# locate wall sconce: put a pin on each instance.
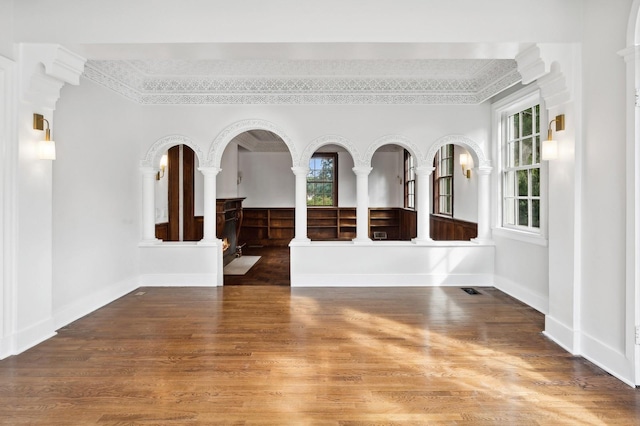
(550, 146)
(47, 147)
(163, 165)
(465, 164)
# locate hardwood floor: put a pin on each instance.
(271, 269)
(334, 356)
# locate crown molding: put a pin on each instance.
(289, 82)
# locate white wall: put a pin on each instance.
(465, 191)
(96, 199)
(227, 179)
(6, 28)
(386, 180)
(267, 179)
(603, 212)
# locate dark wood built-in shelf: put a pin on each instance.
(276, 226)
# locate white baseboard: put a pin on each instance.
(391, 280)
(34, 335)
(609, 359)
(560, 334)
(538, 302)
(178, 280)
(84, 306)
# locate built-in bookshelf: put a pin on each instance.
(276, 226)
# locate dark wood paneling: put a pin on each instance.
(444, 228)
(408, 224)
(162, 231)
(173, 168)
(188, 160)
(198, 230)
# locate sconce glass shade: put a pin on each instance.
(549, 150)
(47, 150)
(463, 159)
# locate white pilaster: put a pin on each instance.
(210, 174)
(362, 204)
(423, 204)
(484, 208)
(148, 205)
(301, 173)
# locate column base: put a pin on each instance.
(300, 242)
(421, 241)
(205, 243)
(362, 241)
(483, 241)
(150, 242)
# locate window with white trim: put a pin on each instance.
(443, 181)
(521, 195)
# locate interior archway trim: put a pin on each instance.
(152, 159)
(219, 144)
(479, 158)
(400, 140)
(329, 140)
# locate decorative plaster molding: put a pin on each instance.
(152, 158)
(330, 140)
(214, 157)
(392, 140)
(476, 151)
(306, 82)
(45, 69)
(553, 89)
(530, 64)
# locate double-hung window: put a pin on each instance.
(409, 181)
(443, 181)
(521, 174)
(322, 180)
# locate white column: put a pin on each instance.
(148, 205)
(362, 204)
(301, 173)
(484, 209)
(423, 204)
(209, 231)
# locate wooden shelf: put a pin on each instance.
(276, 226)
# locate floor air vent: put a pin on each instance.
(470, 290)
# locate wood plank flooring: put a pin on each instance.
(277, 355)
(271, 269)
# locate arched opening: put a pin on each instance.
(454, 189)
(256, 168)
(331, 194)
(460, 171)
(179, 203)
(392, 193)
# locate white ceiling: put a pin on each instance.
(303, 73)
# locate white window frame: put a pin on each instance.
(501, 110)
